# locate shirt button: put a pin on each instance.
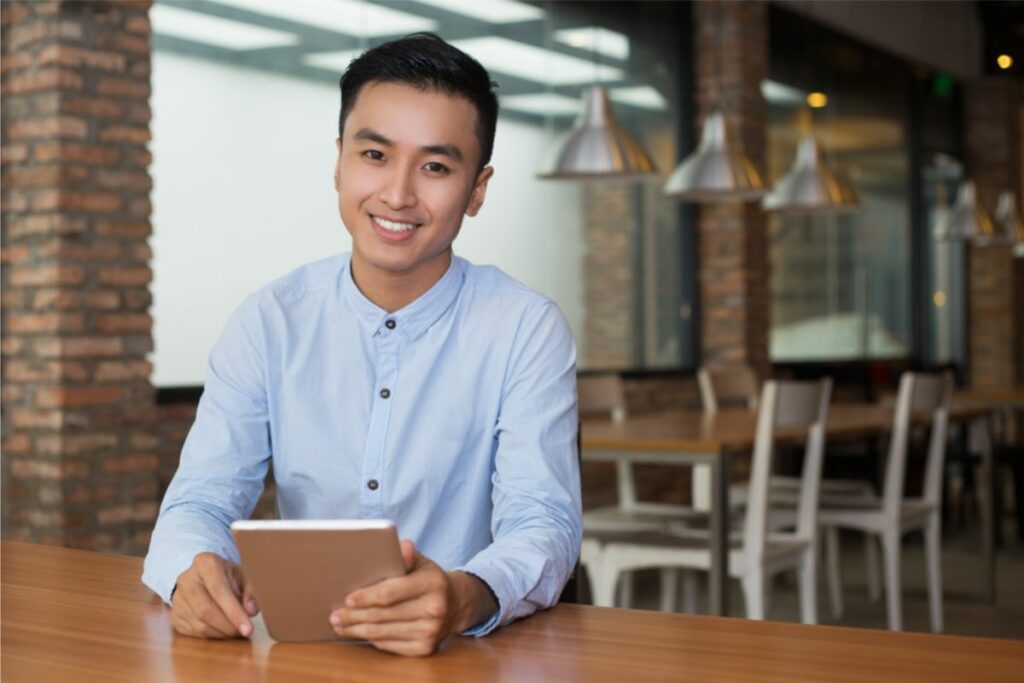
(372, 485)
(385, 393)
(390, 324)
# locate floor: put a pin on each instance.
(964, 611)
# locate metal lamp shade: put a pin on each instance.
(1009, 226)
(967, 220)
(810, 186)
(597, 147)
(715, 171)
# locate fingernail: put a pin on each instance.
(336, 620)
(251, 606)
(245, 630)
(350, 602)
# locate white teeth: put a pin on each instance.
(393, 226)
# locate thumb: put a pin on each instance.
(248, 601)
(408, 554)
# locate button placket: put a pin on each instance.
(375, 453)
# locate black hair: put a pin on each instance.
(427, 62)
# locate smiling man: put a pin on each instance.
(397, 382)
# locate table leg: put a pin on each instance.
(719, 576)
(981, 440)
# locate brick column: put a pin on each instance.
(732, 53)
(993, 151)
(79, 451)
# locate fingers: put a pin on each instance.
(220, 584)
(409, 553)
(426, 631)
(202, 616)
(427, 606)
(248, 599)
(391, 592)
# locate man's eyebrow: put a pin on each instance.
(373, 136)
(448, 150)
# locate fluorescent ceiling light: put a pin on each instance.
(535, 63)
(780, 93)
(350, 17)
(643, 96)
(542, 104)
(597, 40)
(203, 28)
(332, 61)
(491, 11)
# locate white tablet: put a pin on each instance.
(302, 570)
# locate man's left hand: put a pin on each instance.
(413, 614)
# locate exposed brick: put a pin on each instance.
(141, 252)
(13, 154)
(87, 105)
(77, 57)
(129, 180)
(139, 462)
(125, 277)
(79, 347)
(113, 323)
(16, 443)
(137, 299)
(44, 371)
(26, 418)
(135, 512)
(34, 323)
(78, 251)
(60, 224)
(13, 253)
(75, 444)
(137, 24)
(48, 128)
(130, 229)
(123, 87)
(50, 397)
(22, 276)
(41, 79)
(13, 299)
(30, 469)
(92, 202)
(77, 152)
(12, 346)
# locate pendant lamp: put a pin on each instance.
(810, 186)
(967, 220)
(716, 171)
(1009, 224)
(597, 147)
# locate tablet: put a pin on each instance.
(302, 570)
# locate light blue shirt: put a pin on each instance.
(457, 421)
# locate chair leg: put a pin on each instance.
(689, 591)
(669, 589)
(933, 551)
(893, 587)
(603, 577)
(754, 594)
(626, 586)
(808, 578)
(835, 579)
(871, 567)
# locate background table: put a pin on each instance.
(75, 616)
(690, 437)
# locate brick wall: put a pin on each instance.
(79, 452)
(731, 60)
(993, 150)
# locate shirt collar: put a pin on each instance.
(416, 317)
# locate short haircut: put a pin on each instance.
(425, 61)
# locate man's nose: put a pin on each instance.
(399, 190)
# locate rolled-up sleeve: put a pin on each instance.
(536, 521)
(224, 460)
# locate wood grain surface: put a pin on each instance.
(73, 616)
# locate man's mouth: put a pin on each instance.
(393, 226)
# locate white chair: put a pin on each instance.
(757, 553)
(889, 517)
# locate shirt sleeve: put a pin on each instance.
(224, 460)
(536, 521)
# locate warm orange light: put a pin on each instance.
(817, 100)
(939, 299)
(1004, 61)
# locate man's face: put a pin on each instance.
(406, 174)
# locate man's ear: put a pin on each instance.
(337, 167)
(476, 199)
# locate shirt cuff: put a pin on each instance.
(485, 627)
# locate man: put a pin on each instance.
(399, 382)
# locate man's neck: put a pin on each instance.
(394, 291)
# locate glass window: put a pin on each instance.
(245, 105)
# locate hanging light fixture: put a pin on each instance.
(597, 146)
(1009, 226)
(810, 186)
(967, 220)
(717, 171)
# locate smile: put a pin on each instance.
(393, 226)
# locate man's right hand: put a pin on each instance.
(213, 600)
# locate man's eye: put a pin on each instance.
(374, 154)
(436, 167)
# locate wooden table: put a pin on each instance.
(689, 438)
(81, 617)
